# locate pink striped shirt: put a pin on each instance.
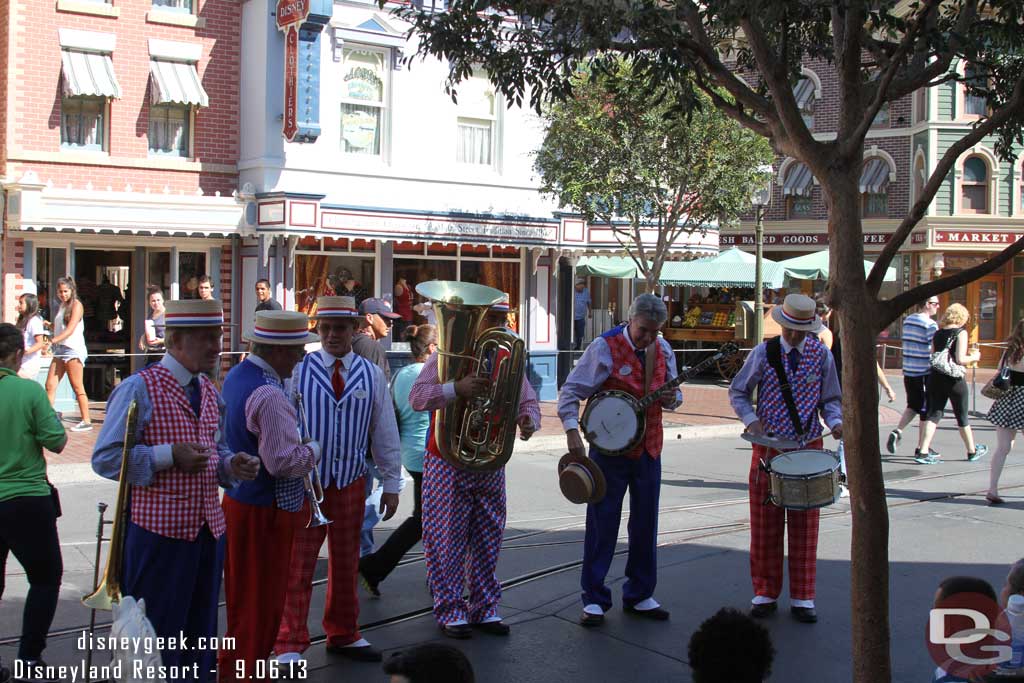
(272, 417)
(428, 393)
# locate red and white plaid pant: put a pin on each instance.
(345, 509)
(768, 524)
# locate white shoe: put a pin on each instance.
(844, 492)
(82, 427)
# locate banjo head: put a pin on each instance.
(612, 422)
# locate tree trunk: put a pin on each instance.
(869, 552)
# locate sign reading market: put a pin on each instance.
(975, 237)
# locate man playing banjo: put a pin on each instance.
(632, 359)
(789, 400)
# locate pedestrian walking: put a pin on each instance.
(581, 311)
(918, 331)
(69, 350)
(28, 509)
(944, 387)
(413, 426)
(36, 341)
(1007, 413)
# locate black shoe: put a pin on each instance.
(656, 614)
(366, 653)
(763, 609)
(495, 628)
(805, 615)
(894, 439)
(591, 620)
(369, 584)
(457, 631)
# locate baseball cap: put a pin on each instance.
(378, 306)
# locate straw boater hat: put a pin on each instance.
(797, 312)
(336, 307)
(502, 305)
(193, 313)
(281, 328)
(580, 479)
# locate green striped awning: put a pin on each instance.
(732, 268)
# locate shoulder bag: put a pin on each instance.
(997, 386)
(942, 361)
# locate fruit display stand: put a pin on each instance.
(715, 324)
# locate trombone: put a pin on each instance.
(311, 482)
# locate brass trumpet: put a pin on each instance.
(109, 589)
(312, 484)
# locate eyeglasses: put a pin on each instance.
(933, 303)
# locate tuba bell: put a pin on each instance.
(475, 434)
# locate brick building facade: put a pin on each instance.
(118, 155)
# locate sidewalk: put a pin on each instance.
(705, 413)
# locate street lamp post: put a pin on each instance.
(762, 197)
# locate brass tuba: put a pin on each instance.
(109, 590)
(475, 434)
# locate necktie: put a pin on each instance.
(641, 355)
(337, 381)
(793, 358)
(195, 395)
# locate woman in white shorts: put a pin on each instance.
(69, 351)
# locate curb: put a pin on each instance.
(679, 432)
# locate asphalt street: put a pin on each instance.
(940, 526)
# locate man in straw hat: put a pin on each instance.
(463, 510)
(174, 543)
(622, 359)
(345, 398)
(262, 515)
(811, 374)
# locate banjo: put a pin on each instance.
(614, 421)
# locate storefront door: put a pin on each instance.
(984, 300)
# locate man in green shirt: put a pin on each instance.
(28, 516)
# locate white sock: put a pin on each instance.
(762, 600)
(801, 603)
(593, 609)
(490, 619)
(362, 642)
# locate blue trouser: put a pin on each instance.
(643, 479)
(180, 582)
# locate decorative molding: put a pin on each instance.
(174, 50)
(94, 8)
(88, 41)
(157, 15)
(104, 159)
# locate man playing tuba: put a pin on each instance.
(464, 510)
(262, 515)
(174, 543)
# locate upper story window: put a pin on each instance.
(881, 119)
(974, 105)
(477, 122)
(921, 104)
(796, 188)
(174, 5)
(874, 188)
(920, 177)
(87, 83)
(175, 92)
(364, 106)
(803, 93)
(169, 129)
(974, 186)
(83, 123)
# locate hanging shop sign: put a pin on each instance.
(302, 22)
(793, 239)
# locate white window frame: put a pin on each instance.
(476, 118)
(992, 196)
(384, 105)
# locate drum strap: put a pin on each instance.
(773, 351)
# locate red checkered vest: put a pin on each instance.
(806, 386)
(624, 355)
(176, 504)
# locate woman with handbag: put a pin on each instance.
(946, 384)
(1007, 413)
(28, 505)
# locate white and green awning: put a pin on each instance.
(88, 74)
(608, 266)
(815, 267)
(732, 268)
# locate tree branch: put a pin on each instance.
(894, 307)
(942, 168)
(731, 110)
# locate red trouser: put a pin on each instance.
(259, 544)
(768, 523)
(345, 508)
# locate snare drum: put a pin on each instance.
(804, 480)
